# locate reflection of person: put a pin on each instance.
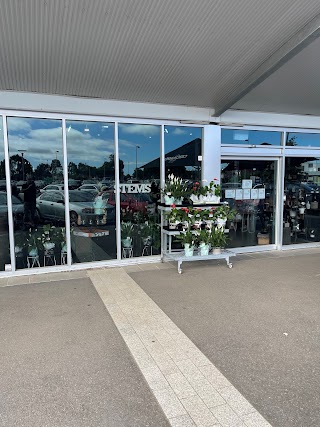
(155, 191)
(15, 191)
(30, 192)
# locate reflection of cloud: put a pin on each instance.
(18, 124)
(180, 131)
(41, 145)
(145, 130)
(126, 143)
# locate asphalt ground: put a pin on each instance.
(64, 364)
(258, 323)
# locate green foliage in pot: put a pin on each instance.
(218, 238)
(175, 187)
(212, 188)
(224, 212)
(186, 237)
(203, 236)
(126, 230)
(178, 215)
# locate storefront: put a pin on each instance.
(83, 189)
(270, 177)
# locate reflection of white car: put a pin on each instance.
(51, 206)
(89, 187)
(52, 187)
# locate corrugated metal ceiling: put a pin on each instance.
(170, 51)
(293, 89)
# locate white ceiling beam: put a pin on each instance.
(288, 50)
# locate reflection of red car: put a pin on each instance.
(136, 202)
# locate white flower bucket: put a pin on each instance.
(168, 200)
(216, 251)
(48, 246)
(147, 241)
(204, 249)
(173, 225)
(179, 201)
(33, 252)
(197, 200)
(127, 242)
(211, 199)
(188, 250)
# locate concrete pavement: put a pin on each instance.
(210, 347)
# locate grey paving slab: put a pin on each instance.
(258, 323)
(64, 364)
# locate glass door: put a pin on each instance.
(250, 188)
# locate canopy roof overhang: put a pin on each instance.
(211, 54)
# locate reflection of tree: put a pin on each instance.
(55, 164)
(42, 171)
(84, 171)
(291, 142)
(16, 167)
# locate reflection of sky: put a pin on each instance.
(92, 143)
(39, 138)
(305, 139)
(147, 137)
(238, 136)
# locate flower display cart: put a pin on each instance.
(179, 257)
(167, 234)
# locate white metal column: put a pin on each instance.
(211, 153)
(66, 191)
(117, 190)
(8, 186)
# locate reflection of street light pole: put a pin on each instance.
(57, 155)
(22, 153)
(137, 146)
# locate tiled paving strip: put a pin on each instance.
(189, 388)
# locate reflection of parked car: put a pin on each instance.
(135, 202)
(3, 185)
(52, 187)
(51, 206)
(73, 184)
(17, 211)
(89, 187)
(19, 184)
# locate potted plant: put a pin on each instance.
(218, 239)
(187, 238)
(174, 190)
(209, 194)
(212, 192)
(19, 242)
(222, 214)
(197, 193)
(203, 237)
(33, 242)
(146, 233)
(47, 237)
(177, 216)
(126, 234)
